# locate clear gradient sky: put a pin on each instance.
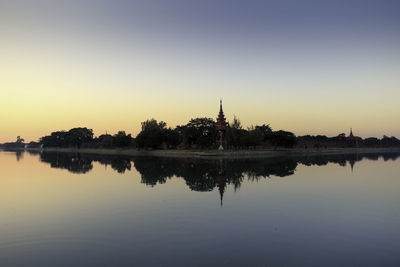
(311, 67)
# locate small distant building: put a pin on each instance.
(105, 140)
(351, 140)
(221, 126)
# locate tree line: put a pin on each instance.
(341, 140)
(199, 133)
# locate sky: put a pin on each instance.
(310, 67)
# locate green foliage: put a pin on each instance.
(200, 132)
(254, 136)
(151, 135)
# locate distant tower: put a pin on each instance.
(352, 140)
(351, 133)
(221, 126)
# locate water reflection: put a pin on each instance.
(205, 175)
(19, 155)
(202, 174)
(320, 216)
(75, 163)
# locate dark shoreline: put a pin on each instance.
(235, 154)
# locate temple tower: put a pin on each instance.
(352, 140)
(221, 126)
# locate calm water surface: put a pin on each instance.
(77, 210)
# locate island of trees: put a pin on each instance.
(200, 133)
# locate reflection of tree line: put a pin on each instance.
(198, 173)
(75, 163)
(342, 160)
(82, 163)
(201, 174)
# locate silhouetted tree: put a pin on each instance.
(151, 135)
(78, 136)
(235, 134)
(73, 138)
(171, 137)
(390, 141)
(104, 140)
(371, 142)
(264, 131)
(55, 139)
(121, 139)
(282, 138)
(252, 137)
(340, 138)
(200, 132)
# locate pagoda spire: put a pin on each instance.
(352, 140)
(221, 125)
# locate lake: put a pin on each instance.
(60, 209)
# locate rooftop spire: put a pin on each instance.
(221, 125)
(351, 132)
(221, 122)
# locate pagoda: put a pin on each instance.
(351, 133)
(352, 140)
(221, 126)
